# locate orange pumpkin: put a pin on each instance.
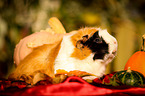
(137, 61)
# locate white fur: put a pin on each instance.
(109, 40)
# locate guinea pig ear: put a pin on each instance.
(85, 38)
(79, 44)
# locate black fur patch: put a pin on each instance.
(97, 45)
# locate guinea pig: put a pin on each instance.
(88, 49)
(47, 53)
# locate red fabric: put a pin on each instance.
(75, 86)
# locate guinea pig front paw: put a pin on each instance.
(89, 77)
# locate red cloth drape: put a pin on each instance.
(76, 86)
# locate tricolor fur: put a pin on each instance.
(77, 51)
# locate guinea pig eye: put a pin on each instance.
(98, 40)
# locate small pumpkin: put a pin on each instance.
(129, 77)
(137, 61)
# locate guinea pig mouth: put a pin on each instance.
(96, 44)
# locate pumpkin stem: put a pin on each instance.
(128, 70)
(143, 43)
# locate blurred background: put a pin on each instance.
(124, 19)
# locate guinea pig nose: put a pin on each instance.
(114, 52)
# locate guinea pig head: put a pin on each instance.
(99, 42)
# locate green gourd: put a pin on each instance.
(129, 77)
